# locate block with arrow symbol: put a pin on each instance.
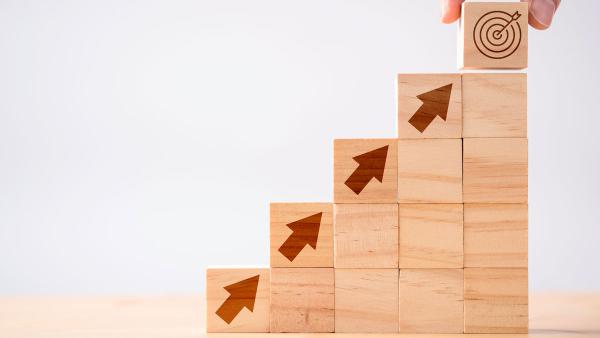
(301, 234)
(365, 171)
(237, 299)
(429, 106)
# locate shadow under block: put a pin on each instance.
(496, 300)
(366, 300)
(430, 171)
(301, 234)
(429, 106)
(494, 105)
(495, 235)
(495, 170)
(237, 300)
(431, 236)
(366, 235)
(493, 35)
(365, 171)
(302, 300)
(431, 301)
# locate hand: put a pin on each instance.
(541, 12)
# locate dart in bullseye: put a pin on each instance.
(514, 18)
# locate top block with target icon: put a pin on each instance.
(493, 35)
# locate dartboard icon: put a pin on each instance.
(497, 34)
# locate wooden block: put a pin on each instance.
(495, 170)
(495, 235)
(302, 300)
(493, 35)
(430, 171)
(429, 106)
(431, 300)
(431, 235)
(496, 300)
(494, 105)
(365, 235)
(301, 234)
(237, 300)
(366, 300)
(365, 171)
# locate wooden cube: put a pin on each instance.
(431, 235)
(496, 300)
(430, 171)
(366, 300)
(429, 106)
(366, 235)
(495, 170)
(301, 234)
(302, 300)
(365, 171)
(237, 300)
(493, 35)
(494, 105)
(495, 235)
(431, 300)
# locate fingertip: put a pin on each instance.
(450, 10)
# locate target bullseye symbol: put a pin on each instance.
(497, 34)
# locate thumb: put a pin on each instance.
(541, 12)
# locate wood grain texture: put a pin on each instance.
(282, 214)
(496, 300)
(345, 165)
(430, 171)
(366, 300)
(366, 235)
(302, 300)
(556, 315)
(431, 235)
(494, 105)
(255, 320)
(412, 85)
(495, 170)
(471, 57)
(495, 235)
(431, 300)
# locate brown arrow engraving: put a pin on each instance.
(370, 165)
(241, 295)
(304, 232)
(435, 103)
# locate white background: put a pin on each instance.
(141, 140)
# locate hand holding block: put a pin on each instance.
(430, 171)
(365, 171)
(366, 235)
(302, 300)
(429, 106)
(496, 235)
(431, 235)
(493, 35)
(431, 300)
(494, 105)
(237, 300)
(495, 170)
(301, 234)
(366, 300)
(496, 300)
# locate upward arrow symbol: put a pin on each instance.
(241, 295)
(370, 165)
(435, 103)
(304, 232)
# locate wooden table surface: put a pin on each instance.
(551, 315)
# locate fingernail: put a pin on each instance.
(543, 11)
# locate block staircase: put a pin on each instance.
(427, 232)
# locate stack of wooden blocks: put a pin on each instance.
(427, 232)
